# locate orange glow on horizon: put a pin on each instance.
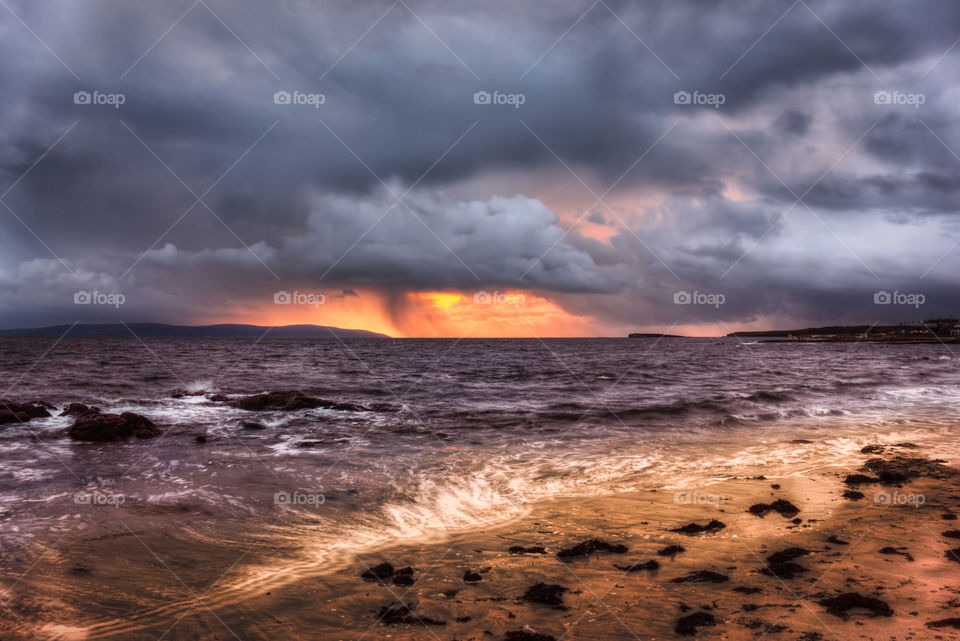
(440, 314)
(455, 314)
(490, 314)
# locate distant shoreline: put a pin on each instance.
(654, 335)
(163, 330)
(945, 330)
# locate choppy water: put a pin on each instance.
(458, 434)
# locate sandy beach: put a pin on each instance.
(838, 567)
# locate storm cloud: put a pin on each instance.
(795, 157)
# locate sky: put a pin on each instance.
(428, 168)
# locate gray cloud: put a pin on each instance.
(301, 186)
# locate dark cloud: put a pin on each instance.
(793, 122)
(705, 197)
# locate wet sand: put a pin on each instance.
(892, 554)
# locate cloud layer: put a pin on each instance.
(795, 157)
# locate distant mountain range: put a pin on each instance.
(161, 330)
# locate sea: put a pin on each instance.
(453, 435)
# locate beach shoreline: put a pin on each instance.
(473, 587)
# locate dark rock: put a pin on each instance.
(22, 412)
(252, 425)
(872, 449)
(200, 438)
(781, 506)
(853, 495)
(547, 594)
(471, 577)
(403, 576)
(289, 401)
(775, 486)
(533, 549)
(399, 613)
(382, 571)
(899, 469)
(859, 479)
(948, 516)
(746, 590)
(951, 534)
(687, 626)
(702, 576)
(953, 555)
(789, 554)
(693, 528)
(909, 446)
(786, 570)
(898, 551)
(592, 546)
(637, 567)
(839, 605)
(523, 635)
(463, 619)
(76, 409)
(218, 398)
(952, 622)
(801, 441)
(671, 550)
(833, 539)
(104, 428)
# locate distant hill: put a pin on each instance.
(161, 330)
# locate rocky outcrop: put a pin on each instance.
(592, 546)
(95, 426)
(696, 528)
(21, 412)
(780, 506)
(840, 605)
(900, 469)
(76, 409)
(288, 401)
